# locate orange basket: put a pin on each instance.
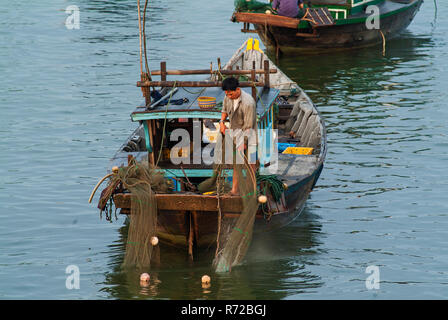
(207, 102)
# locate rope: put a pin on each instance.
(98, 184)
(384, 42)
(258, 94)
(275, 185)
(218, 194)
(144, 40)
(140, 36)
(435, 16)
(164, 123)
(199, 92)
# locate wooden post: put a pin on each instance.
(163, 71)
(219, 70)
(190, 237)
(254, 88)
(195, 226)
(267, 82)
(146, 91)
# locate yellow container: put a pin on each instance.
(297, 150)
(207, 102)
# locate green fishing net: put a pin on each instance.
(142, 181)
(235, 234)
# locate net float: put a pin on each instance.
(154, 241)
(262, 199)
(205, 279)
(144, 277)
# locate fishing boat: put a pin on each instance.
(292, 126)
(329, 24)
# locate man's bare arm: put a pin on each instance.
(222, 126)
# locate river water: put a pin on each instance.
(65, 99)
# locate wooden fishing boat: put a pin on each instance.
(187, 218)
(331, 24)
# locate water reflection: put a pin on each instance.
(355, 73)
(276, 260)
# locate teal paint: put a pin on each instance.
(147, 139)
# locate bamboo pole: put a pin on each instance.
(209, 71)
(140, 36)
(194, 84)
(144, 40)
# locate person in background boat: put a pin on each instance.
(240, 108)
(302, 10)
(289, 8)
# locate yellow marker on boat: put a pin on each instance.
(257, 45)
(249, 44)
(297, 150)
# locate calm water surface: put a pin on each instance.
(65, 99)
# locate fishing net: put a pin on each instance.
(142, 182)
(234, 240)
(251, 5)
(270, 184)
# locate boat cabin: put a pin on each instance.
(180, 132)
(342, 9)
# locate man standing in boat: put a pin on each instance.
(240, 108)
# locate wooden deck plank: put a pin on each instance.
(189, 202)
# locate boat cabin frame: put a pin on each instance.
(155, 115)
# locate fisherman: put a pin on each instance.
(289, 8)
(240, 108)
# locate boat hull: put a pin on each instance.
(200, 216)
(344, 36)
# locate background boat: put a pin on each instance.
(331, 24)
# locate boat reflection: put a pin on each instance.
(364, 68)
(276, 260)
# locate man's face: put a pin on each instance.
(233, 94)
